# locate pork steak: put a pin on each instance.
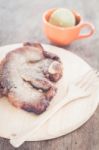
(28, 75)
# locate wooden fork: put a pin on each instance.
(83, 87)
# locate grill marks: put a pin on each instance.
(39, 84)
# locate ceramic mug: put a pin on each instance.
(62, 35)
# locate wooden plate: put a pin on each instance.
(70, 117)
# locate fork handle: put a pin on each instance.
(20, 139)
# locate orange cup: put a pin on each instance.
(64, 36)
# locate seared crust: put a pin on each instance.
(25, 77)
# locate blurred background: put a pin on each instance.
(21, 20)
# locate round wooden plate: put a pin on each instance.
(14, 121)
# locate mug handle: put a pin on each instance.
(88, 25)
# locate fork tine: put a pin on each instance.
(84, 78)
(88, 79)
(93, 80)
(90, 85)
(91, 89)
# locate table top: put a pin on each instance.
(21, 20)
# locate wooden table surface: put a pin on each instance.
(21, 20)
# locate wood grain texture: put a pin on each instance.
(21, 20)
